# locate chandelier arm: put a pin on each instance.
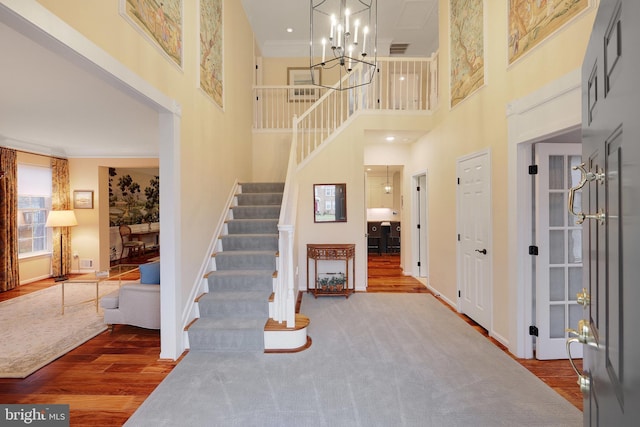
(352, 39)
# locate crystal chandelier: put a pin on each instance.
(343, 35)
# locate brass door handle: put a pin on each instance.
(583, 380)
(585, 176)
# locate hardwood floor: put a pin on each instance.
(385, 275)
(106, 379)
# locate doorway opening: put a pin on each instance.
(383, 188)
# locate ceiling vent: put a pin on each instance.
(398, 48)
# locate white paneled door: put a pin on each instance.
(558, 272)
(474, 231)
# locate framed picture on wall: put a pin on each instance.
(160, 22)
(83, 199)
(302, 77)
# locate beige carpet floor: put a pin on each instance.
(35, 332)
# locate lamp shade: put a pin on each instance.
(61, 219)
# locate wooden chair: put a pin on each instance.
(374, 237)
(132, 246)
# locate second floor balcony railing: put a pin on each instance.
(401, 84)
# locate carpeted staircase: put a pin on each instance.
(234, 312)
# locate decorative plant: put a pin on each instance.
(323, 282)
(337, 279)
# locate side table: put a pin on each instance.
(95, 282)
(340, 283)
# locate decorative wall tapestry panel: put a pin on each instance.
(211, 60)
(158, 20)
(134, 196)
(532, 21)
(466, 22)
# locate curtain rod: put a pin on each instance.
(38, 154)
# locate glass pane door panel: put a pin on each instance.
(557, 208)
(556, 172)
(575, 314)
(556, 284)
(575, 282)
(556, 247)
(575, 246)
(557, 321)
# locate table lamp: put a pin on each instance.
(61, 219)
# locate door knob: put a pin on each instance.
(583, 334)
(583, 298)
(583, 380)
(483, 251)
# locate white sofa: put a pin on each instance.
(135, 303)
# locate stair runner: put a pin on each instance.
(234, 312)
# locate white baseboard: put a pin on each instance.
(34, 279)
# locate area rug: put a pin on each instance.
(377, 360)
(34, 331)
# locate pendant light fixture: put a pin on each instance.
(343, 35)
(387, 187)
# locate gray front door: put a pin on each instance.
(611, 208)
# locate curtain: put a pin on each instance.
(60, 200)
(9, 278)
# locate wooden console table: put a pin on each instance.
(331, 283)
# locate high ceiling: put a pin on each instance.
(55, 102)
(52, 104)
(414, 22)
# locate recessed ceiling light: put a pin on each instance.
(390, 138)
(401, 78)
(289, 30)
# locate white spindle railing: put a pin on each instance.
(400, 84)
(409, 84)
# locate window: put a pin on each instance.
(34, 203)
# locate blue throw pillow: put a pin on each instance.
(150, 273)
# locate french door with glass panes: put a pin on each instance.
(558, 272)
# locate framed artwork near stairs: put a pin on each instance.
(302, 77)
(329, 202)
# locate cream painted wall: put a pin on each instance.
(342, 161)
(339, 162)
(271, 155)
